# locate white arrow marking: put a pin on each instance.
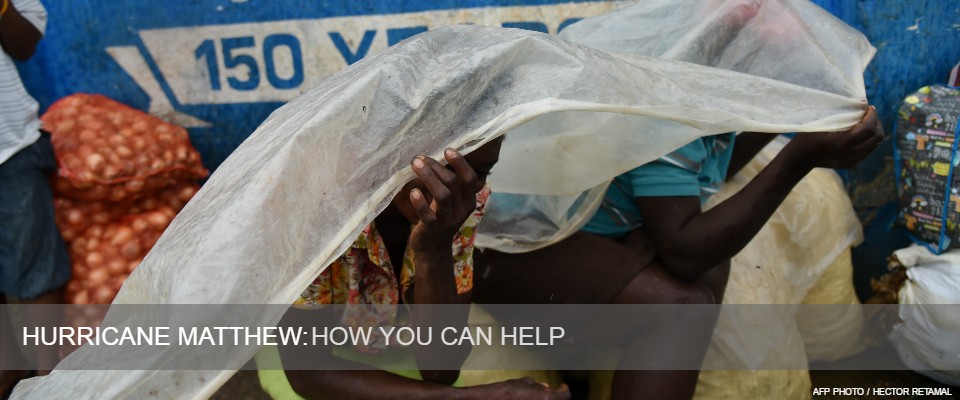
(130, 59)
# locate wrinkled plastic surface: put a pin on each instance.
(789, 41)
(929, 337)
(293, 196)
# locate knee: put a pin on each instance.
(665, 289)
(689, 293)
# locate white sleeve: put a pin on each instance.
(33, 11)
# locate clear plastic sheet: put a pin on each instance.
(790, 41)
(293, 196)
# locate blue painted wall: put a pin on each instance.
(73, 58)
(917, 42)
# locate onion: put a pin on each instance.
(139, 224)
(121, 236)
(96, 192)
(97, 277)
(158, 219)
(72, 162)
(149, 204)
(87, 136)
(169, 213)
(100, 218)
(116, 267)
(103, 294)
(94, 161)
(140, 125)
(68, 234)
(80, 298)
(65, 125)
(68, 111)
(117, 194)
(78, 244)
(181, 152)
(80, 272)
(94, 259)
(139, 143)
(134, 185)
(74, 286)
(123, 151)
(131, 250)
(74, 216)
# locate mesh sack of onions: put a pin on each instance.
(75, 216)
(105, 254)
(109, 151)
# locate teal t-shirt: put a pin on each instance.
(696, 169)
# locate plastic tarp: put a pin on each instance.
(929, 336)
(790, 41)
(293, 196)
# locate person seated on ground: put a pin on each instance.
(443, 206)
(651, 243)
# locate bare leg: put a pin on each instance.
(47, 356)
(588, 269)
(9, 374)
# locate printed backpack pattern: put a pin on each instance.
(925, 153)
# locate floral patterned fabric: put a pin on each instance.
(364, 275)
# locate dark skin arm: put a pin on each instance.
(18, 37)
(746, 147)
(452, 199)
(690, 242)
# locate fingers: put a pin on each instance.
(464, 172)
(431, 173)
(865, 135)
(868, 134)
(422, 207)
(452, 192)
(868, 145)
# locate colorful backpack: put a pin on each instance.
(925, 154)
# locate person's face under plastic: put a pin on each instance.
(482, 160)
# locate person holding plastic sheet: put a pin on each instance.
(389, 258)
(651, 243)
(34, 264)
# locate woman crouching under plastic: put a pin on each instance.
(422, 240)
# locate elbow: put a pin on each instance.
(24, 56)
(21, 53)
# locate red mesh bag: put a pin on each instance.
(105, 254)
(109, 151)
(74, 216)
